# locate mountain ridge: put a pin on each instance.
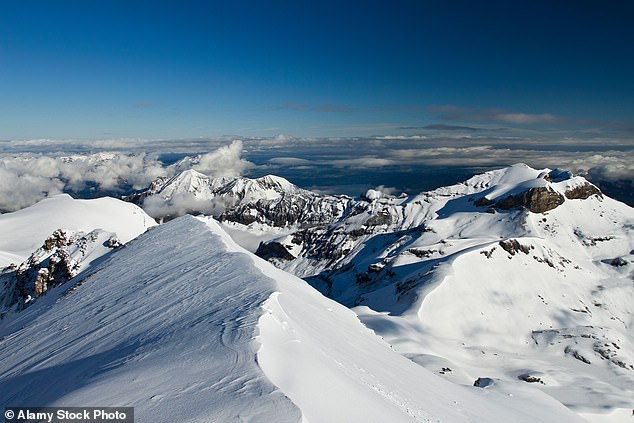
(517, 280)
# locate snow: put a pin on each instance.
(185, 325)
(250, 236)
(441, 289)
(202, 330)
(24, 231)
(172, 338)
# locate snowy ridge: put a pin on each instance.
(173, 339)
(190, 354)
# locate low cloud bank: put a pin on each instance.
(26, 178)
(34, 169)
(182, 203)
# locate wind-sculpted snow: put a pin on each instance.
(166, 326)
(184, 325)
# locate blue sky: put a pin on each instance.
(202, 69)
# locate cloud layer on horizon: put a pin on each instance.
(26, 178)
(33, 169)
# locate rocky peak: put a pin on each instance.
(536, 200)
(546, 192)
(58, 260)
(581, 192)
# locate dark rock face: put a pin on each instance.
(483, 202)
(382, 217)
(541, 199)
(483, 382)
(272, 250)
(46, 268)
(537, 200)
(583, 191)
(530, 379)
(558, 175)
(513, 246)
(288, 209)
(57, 261)
(113, 243)
(58, 239)
(618, 262)
(35, 277)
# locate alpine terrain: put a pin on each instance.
(507, 297)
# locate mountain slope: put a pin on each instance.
(514, 274)
(43, 246)
(172, 337)
(270, 200)
(24, 231)
(176, 339)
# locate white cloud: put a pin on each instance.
(182, 203)
(362, 162)
(611, 166)
(289, 161)
(525, 118)
(225, 161)
(26, 178)
(21, 189)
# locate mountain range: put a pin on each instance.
(507, 296)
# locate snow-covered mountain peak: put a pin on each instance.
(187, 182)
(268, 200)
(264, 188)
(519, 178)
(277, 182)
(520, 187)
(44, 245)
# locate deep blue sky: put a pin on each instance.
(200, 69)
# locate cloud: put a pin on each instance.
(26, 178)
(289, 161)
(183, 203)
(304, 107)
(276, 141)
(610, 166)
(362, 162)
(450, 112)
(33, 169)
(442, 127)
(387, 190)
(524, 118)
(225, 161)
(19, 189)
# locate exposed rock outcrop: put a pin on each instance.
(582, 192)
(536, 200)
(513, 246)
(57, 261)
(273, 250)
